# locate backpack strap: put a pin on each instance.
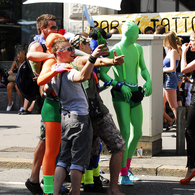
(44, 48)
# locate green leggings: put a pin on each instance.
(130, 120)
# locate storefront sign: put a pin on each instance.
(179, 22)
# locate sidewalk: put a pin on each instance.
(19, 136)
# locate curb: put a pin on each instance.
(138, 169)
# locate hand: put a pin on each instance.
(10, 72)
(185, 47)
(60, 68)
(36, 76)
(147, 88)
(100, 50)
(118, 60)
(126, 91)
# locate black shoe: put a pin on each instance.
(170, 126)
(165, 124)
(20, 112)
(104, 180)
(64, 190)
(25, 112)
(94, 189)
(34, 188)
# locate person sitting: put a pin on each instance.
(20, 58)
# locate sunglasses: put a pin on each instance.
(67, 48)
(52, 27)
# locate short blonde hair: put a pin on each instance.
(43, 21)
(57, 45)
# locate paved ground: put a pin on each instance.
(19, 136)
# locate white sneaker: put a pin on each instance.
(9, 107)
(132, 177)
(21, 108)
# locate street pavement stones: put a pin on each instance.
(19, 136)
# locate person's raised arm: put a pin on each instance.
(117, 60)
(185, 67)
(85, 72)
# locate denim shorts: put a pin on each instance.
(76, 142)
(171, 81)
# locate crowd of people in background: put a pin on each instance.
(68, 75)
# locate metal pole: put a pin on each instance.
(83, 20)
(155, 6)
(176, 5)
(180, 140)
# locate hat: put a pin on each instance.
(77, 39)
(93, 33)
(51, 38)
(67, 35)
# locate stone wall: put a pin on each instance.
(73, 16)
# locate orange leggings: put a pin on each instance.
(52, 146)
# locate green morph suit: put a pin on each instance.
(128, 113)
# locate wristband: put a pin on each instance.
(92, 59)
(119, 85)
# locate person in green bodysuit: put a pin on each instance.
(126, 94)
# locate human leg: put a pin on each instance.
(32, 183)
(59, 177)
(122, 110)
(111, 136)
(10, 86)
(115, 166)
(31, 106)
(37, 161)
(172, 100)
(20, 96)
(52, 147)
(165, 115)
(25, 104)
(190, 138)
(136, 130)
(76, 177)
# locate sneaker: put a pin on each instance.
(104, 180)
(126, 181)
(132, 177)
(20, 112)
(21, 108)
(34, 188)
(64, 190)
(170, 126)
(9, 107)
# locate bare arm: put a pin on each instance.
(185, 67)
(85, 73)
(12, 68)
(46, 73)
(117, 60)
(35, 53)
